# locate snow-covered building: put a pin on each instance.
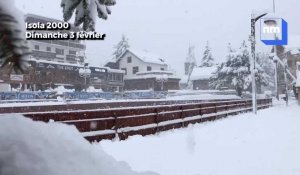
(63, 51)
(200, 77)
(291, 53)
(144, 71)
(56, 63)
(43, 75)
(298, 81)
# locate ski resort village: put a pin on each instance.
(170, 87)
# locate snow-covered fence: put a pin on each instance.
(123, 122)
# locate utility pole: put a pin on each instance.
(253, 60)
(254, 18)
(276, 72)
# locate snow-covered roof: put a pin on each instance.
(156, 75)
(147, 56)
(53, 62)
(157, 72)
(295, 51)
(202, 73)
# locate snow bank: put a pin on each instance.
(36, 148)
(266, 144)
(92, 89)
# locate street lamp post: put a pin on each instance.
(253, 60)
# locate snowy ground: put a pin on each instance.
(36, 148)
(267, 144)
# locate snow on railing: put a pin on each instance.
(145, 120)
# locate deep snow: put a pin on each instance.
(266, 144)
(36, 148)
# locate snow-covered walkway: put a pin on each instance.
(266, 144)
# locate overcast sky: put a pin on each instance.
(167, 27)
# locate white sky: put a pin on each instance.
(167, 27)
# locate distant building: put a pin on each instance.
(144, 71)
(200, 77)
(61, 63)
(189, 65)
(63, 51)
(291, 53)
(43, 75)
(154, 80)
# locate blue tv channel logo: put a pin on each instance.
(274, 31)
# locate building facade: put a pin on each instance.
(55, 63)
(145, 71)
(43, 75)
(63, 51)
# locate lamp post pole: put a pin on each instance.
(253, 61)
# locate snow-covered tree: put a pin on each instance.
(121, 47)
(13, 45)
(221, 77)
(207, 59)
(266, 71)
(235, 72)
(86, 11)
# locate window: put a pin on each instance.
(124, 69)
(37, 47)
(135, 69)
(48, 49)
(59, 51)
(129, 60)
(149, 68)
(72, 52)
(162, 69)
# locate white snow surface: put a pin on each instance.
(147, 56)
(266, 144)
(36, 148)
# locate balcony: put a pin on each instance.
(44, 55)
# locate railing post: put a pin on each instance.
(156, 121)
(200, 110)
(181, 116)
(116, 127)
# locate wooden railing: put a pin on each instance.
(98, 124)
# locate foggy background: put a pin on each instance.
(167, 27)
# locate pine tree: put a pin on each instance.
(86, 11)
(207, 60)
(221, 78)
(121, 47)
(13, 45)
(235, 72)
